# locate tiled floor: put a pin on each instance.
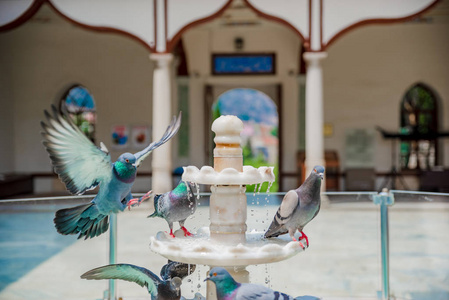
(343, 260)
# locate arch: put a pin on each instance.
(172, 43)
(176, 38)
(280, 21)
(34, 8)
(419, 117)
(260, 135)
(376, 21)
(79, 104)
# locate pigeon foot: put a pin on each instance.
(303, 235)
(186, 232)
(137, 201)
(300, 244)
(132, 202)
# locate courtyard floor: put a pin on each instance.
(342, 262)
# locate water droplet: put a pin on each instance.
(189, 280)
(260, 187)
(198, 286)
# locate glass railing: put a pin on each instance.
(419, 246)
(350, 254)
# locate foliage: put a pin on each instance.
(215, 111)
(83, 124)
(258, 161)
(274, 131)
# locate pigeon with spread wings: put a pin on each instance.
(165, 288)
(82, 166)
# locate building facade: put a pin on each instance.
(333, 83)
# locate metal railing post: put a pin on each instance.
(112, 253)
(384, 199)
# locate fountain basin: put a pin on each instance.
(204, 251)
(228, 176)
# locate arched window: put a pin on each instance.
(419, 118)
(79, 104)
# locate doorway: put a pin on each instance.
(259, 109)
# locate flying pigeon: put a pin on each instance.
(82, 166)
(227, 288)
(167, 288)
(176, 206)
(298, 207)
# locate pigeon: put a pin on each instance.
(176, 206)
(82, 166)
(227, 288)
(298, 208)
(166, 288)
(176, 269)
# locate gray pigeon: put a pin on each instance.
(227, 288)
(167, 288)
(298, 207)
(176, 206)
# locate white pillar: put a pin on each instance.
(161, 163)
(314, 110)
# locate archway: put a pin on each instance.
(260, 135)
(79, 103)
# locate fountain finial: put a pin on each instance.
(227, 152)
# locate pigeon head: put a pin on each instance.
(223, 280)
(318, 171)
(175, 285)
(125, 167)
(218, 274)
(128, 160)
(224, 283)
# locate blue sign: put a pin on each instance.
(254, 64)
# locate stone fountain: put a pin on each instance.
(226, 242)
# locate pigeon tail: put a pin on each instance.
(156, 205)
(275, 230)
(153, 214)
(83, 219)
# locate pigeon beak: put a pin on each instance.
(321, 175)
(207, 278)
(134, 165)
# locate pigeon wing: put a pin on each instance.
(172, 129)
(78, 162)
(284, 214)
(255, 292)
(127, 272)
(288, 206)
